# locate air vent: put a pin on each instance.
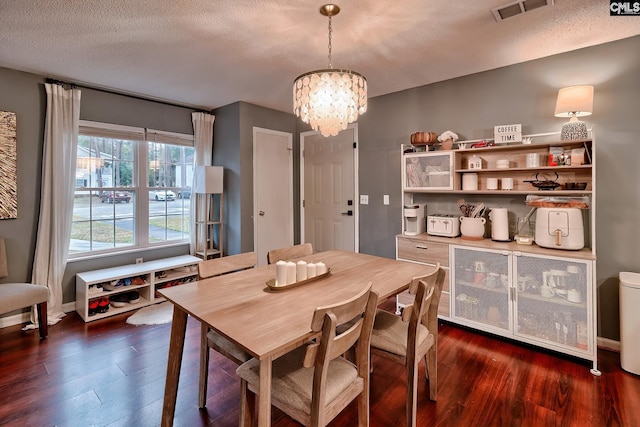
(515, 8)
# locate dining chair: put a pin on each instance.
(14, 296)
(289, 252)
(413, 336)
(211, 339)
(314, 383)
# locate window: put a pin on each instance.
(132, 188)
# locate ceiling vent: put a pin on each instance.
(515, 8)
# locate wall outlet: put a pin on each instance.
(139, 260)
(364, 199)
(385, 199)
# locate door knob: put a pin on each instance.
(348, 213)
(261, 213)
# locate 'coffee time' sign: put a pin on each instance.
(504, 134)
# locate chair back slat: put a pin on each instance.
(228, 264)
(289, 252)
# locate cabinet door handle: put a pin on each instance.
(422, 247)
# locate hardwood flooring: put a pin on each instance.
(109, 373)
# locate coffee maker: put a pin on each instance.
(414, 219)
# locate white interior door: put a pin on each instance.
(329, 170)
(272, 191)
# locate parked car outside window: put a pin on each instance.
(185, 193)
(115, 197)
(162, 195)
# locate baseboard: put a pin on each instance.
(24, 317)
(608, 344)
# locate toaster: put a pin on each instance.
(559, 228)
(443, 225)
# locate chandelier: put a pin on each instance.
(329, 99)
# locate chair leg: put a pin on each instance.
(247, 405)
(412, 392)
(432, 372)
(204, 367)
(43, 326)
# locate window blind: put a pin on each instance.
(108, 130)
(172, 138)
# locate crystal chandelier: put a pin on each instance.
(329, 99)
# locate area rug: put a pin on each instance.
(157, 314)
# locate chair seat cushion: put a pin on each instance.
(218, 342)
(14, 296)
(390, 333)
(292, 383)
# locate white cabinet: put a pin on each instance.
(94, 288)
(428, 253)
(498, 287)
(539, 299)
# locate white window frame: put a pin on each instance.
(140, 185)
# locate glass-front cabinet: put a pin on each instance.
(540, 299)
(428, 171)
(553, 303)
(480, 287)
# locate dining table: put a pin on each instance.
(267, 321)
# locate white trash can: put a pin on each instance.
(630, 322)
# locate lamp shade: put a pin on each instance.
(574, 101)
(208, 179)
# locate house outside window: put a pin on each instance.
(132, 189)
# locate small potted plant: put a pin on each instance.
(447, 139)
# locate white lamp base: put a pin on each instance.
(574, 130)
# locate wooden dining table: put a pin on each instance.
(268, 323)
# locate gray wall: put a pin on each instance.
(526, 94)
(233, 149)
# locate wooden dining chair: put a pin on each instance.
(413, 336)
(289, 252)
(211, 339)
(314, 383)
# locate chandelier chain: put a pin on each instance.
(330, 33)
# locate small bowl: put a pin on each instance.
(574, 185)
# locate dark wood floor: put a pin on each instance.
(111, 373)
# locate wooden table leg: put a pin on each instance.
(264, 393)
(176, 347)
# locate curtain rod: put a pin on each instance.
(128, 95)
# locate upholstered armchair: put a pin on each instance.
(14, 296)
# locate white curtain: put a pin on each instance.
(203, 144)
(58, 185)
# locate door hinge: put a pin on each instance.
(303, 203)
(355, 145)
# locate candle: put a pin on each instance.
(291, 272)
(311, 270)
(301, 270)
(281, 273)
(320, 268)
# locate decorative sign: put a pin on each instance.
(8, 175)
(504, 134)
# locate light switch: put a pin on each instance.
(385, 199)
(364, 199)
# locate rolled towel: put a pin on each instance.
(301, 270)
(281, 273)
(311, 270)
(291, 272)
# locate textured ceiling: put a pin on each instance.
(210, 53)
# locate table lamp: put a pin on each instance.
(574, 102)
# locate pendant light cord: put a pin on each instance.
(330, 33)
